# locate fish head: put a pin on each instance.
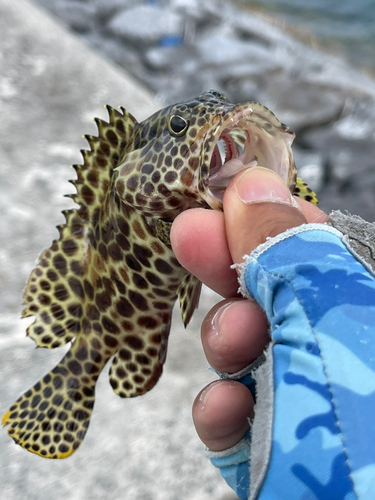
(185, 155)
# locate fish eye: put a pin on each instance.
(177, 125)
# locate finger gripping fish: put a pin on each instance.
(109, 283)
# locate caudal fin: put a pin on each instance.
(51, 418)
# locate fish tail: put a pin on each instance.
(52, 418)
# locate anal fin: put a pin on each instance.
(138, 365)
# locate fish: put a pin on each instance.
(109, 282)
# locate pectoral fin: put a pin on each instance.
(189, 292)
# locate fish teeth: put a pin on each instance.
(222, 147)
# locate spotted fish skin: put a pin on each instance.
(109, 283)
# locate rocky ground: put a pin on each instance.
(178, 48)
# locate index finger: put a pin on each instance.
(199, 242)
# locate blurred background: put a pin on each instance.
(312, 63)
(296, 57)
(346, 28)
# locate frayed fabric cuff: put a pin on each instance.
(233, 464)
(259, 250)
(244, 376)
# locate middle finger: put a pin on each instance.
(234, 334)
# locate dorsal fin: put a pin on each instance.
(54, 291)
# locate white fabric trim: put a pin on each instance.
(263, 247)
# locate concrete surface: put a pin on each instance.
(50, 87)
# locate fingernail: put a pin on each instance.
(217, 318)
(259, 184)
(204, 395)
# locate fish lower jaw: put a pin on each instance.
(232, 153)
(219, 182)
(246, 145)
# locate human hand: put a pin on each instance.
(235, 331)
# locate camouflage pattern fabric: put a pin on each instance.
(314, 437)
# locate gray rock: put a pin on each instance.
(177, 88)
(146, 24)
(224, 51)
(175, 59)
(348, 143)
(300, 103)
(80, 16)
(353, 198)
(244, 89)
(358, 120)
(195, 8)
(311, 168)
(120, 53)
(108, 8)
(254, 28)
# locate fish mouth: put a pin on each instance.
(250, 137)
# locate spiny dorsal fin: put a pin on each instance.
(56, 288)
(188, 293)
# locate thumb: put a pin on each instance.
(257, 205)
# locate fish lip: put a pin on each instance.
(259, 124)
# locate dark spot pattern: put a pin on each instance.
(108, 284)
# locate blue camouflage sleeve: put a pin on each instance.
(313, 435)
